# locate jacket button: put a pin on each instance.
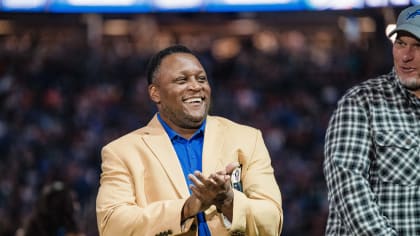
(237, 233)
(169, 232)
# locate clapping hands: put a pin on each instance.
(212, 190)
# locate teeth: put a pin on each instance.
(192, 100)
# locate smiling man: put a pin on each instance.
(372, 147)
(173, 176)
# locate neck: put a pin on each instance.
(183, 131)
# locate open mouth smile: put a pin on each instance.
(194, 100)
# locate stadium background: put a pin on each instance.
(71, 82)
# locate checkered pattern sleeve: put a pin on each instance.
(348, 145)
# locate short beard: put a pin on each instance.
(184, 121)
(412, 84)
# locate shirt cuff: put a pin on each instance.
(226, 221)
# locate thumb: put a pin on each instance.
(231, 166)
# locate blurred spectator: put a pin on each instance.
(54, 213)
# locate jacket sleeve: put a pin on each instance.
(348, 145)
(258, 209)
(119, 214)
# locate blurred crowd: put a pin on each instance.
(66, 93)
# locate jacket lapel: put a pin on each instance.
(158, 141)
(212, 147)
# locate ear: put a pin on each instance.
(154, 93)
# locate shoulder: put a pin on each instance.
(373, 85)
(371, 89)
(126, 139)
(133, 137)
(230, 126)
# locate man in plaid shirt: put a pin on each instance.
(372, 149)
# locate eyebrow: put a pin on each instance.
(194, 71)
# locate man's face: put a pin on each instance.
(181, 91)
(406, 51)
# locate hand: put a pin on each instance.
(211, 190)
(230, 167)
(227, 206)
(205, 192)
(215, 190)
(192, 207)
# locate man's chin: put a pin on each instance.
(411, 83)
(196, 119)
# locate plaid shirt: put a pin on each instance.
(372, 161)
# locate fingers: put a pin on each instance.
(231, 166)
(196, 192)
(208, 188)
(214, 190)
(214, 181)
(197, 179)
(219, 179)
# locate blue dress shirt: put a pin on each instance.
(189, 152)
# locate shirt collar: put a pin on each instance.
(172, 134)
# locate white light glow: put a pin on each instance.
(23, 3)
(319, 4)
(400, 2)
(376, 3)
(390, 28)
(168, 4)
(327, 4)
(101, 2)
(349, 4)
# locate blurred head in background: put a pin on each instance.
(54, 213)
